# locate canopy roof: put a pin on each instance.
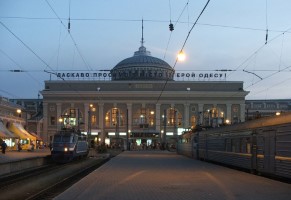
(4, 133)
(21, 132)
(35, 135)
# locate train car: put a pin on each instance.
(186, 144)
(261, 146)
(68, 145)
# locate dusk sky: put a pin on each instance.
(230, 34)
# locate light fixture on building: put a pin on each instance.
(18, 112)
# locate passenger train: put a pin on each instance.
(68, 145)
(262, 146)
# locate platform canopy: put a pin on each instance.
(19, 130)
(5, 133)
(35, 135)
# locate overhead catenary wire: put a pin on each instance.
(74, 42)
(266, 22)
(254, 53)
(259, 49)
(69, 22)
(177, 21)
(274, 85)
(34, 53)
(20, 67)
(147, 20)
(183, 46)
(188, 29)
(30, 49)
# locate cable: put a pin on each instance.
(183, 47)
(74, 42)
(146, 20)
(17, 64)
(256, 51)
(174, 26)
(25, 45)
(8, 93)
(47, 65)
(192, 28)
(274, 85)
(266, 22)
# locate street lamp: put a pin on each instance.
(181, 56)
(89, 120)
(60, 122)
(18, 112)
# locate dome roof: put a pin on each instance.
(142, 66)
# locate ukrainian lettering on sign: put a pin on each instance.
(177, 76)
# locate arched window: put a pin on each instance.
(70, 118)
(114, 117)
(174, 117)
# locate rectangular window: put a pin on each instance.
(53, 121)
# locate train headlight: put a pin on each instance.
(66, 149)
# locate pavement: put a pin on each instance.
(163, 175)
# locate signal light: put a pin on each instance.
(171, 27)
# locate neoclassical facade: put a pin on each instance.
(142, 102)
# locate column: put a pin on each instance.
(186, 115)
(228, 112)
(59, 110)
(86, 116)
(200, 113)
(129, 108)
(158, 118)
(101, 121)
(128, 125)
(45, 123)
(242, 112)
(59, 114)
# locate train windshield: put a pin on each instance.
(62, 138)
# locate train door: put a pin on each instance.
(269, 151)
(254, 152)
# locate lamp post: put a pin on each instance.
(22, 118)
(165, 130)
(60, 122)
(89, 121)
(209, 111)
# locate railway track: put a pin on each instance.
(48, 181)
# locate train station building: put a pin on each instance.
(142, 99)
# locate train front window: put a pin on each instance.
(66, 139)
(57, 138)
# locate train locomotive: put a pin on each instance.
(68, 145)
(261, 146)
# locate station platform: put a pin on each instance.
(163, 175)
(13, 162)
(13, 155)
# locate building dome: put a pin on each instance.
(142, 66)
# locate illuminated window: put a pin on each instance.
(114, 117)
(174, 118)
(93, 119)
(193, 121)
